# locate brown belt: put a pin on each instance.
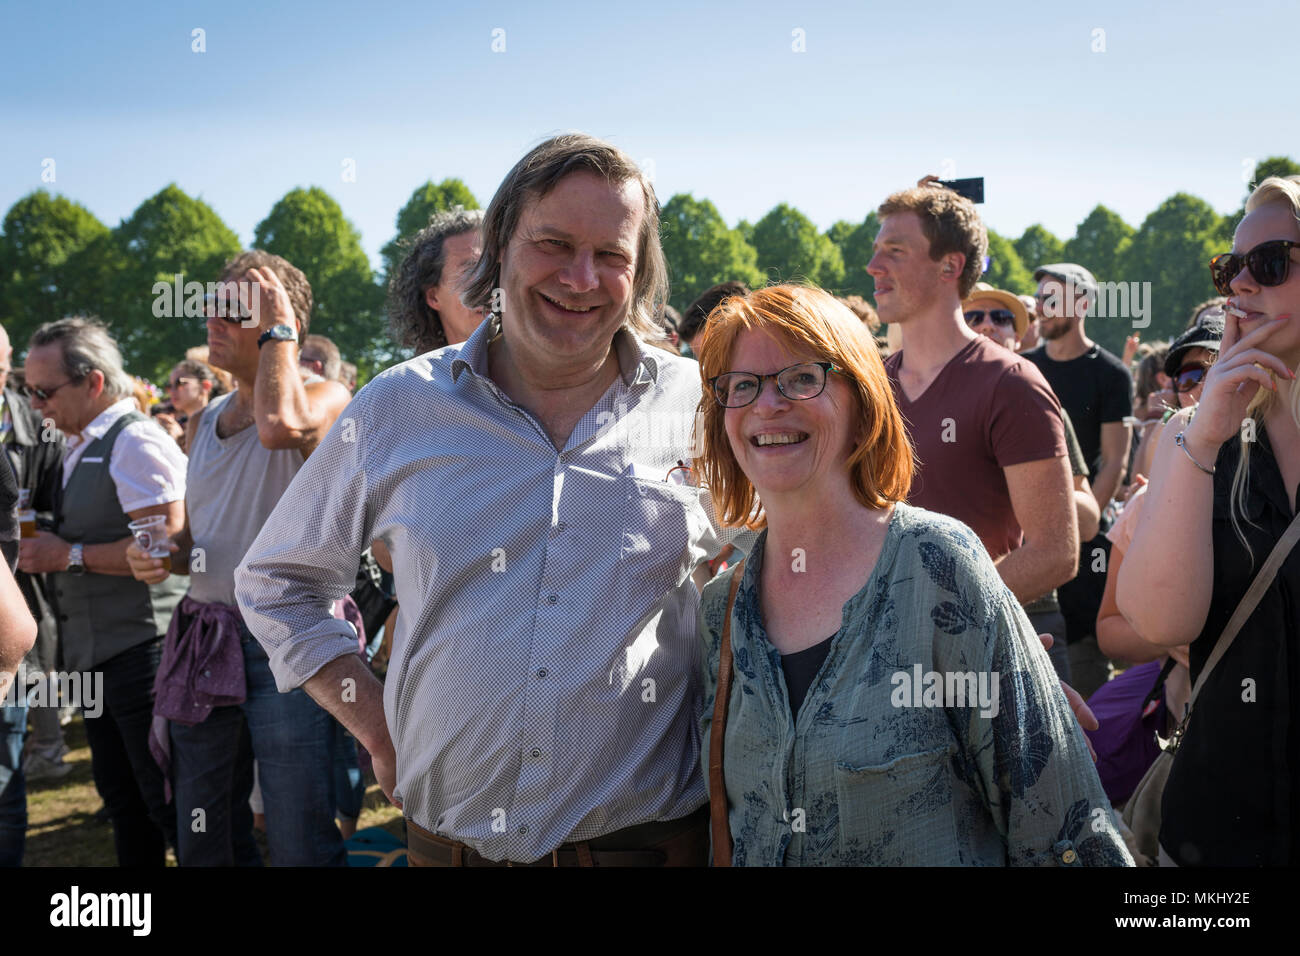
(680, 842)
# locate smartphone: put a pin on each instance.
(972, 189)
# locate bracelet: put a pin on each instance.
(1178, 440)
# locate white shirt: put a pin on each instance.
(147, 466)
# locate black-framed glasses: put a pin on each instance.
(1189, 376)
(1002, 317)
(1269, 262)
(797, 383)
(45, 394)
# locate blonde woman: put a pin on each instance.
(1223, 490)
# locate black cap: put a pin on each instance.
(1205, 336)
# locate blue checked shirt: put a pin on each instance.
(542, 683)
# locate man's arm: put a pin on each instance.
(1114, 456)
(1043, 502)
(288, 414)
(351, 693)
(1086, 509)
(17, 628)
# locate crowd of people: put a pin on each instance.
(782, 579)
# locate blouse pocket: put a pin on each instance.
(898, 813)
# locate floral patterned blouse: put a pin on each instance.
(935, 734)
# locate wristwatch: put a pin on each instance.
(281, 333)
(76, 563)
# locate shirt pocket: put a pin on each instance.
(898, 813)
(657, 527)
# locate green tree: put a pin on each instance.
(1099, 245)
(854, 243)
(1038, 247)
(307, 227)
(427, 200)
(169, 234)
(1273, 166)
(1005, 270)
(41, 266)
(1172, 250)
(701, 250)
(746, 230)
(790, 248)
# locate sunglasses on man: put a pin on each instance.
(45, 394)
(1268, 263)
(1003, 318)
(224, 307)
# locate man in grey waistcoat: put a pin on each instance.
(119, 466)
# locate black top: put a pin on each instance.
(800, 668)
(1094, 388)
(1233, 795)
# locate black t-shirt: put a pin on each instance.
(800, 669)
(1094, 388)
(1233, 795)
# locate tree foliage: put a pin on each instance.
(43, 262)
(854, 243)
(1172, 251)
(1099, 244)
(702, 251)
(169, 234)
(426, 201)
(790, 249)
(307, 227)
(1038, 247)
(1005, 270)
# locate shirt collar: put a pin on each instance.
(635, 362)
(102, 422)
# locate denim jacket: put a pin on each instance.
(901, 753)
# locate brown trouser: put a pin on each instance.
(680, 842)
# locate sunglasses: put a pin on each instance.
(45, 394)
(1189, 376)
(1001, 317)
(1268, 263)
(224, 308)
(177, 383)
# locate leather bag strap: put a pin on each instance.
(720, 825)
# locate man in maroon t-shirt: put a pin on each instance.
(985, 424)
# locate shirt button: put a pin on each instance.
(523, 829)
(552, 599)
(207, 673)
(535, 753)
(1069, 856)
(541, 673)
(562, 526)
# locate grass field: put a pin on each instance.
(62, 829)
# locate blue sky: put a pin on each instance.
(716, 100)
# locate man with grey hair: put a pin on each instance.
(425, 310)
(119, 466)
(541, 701)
